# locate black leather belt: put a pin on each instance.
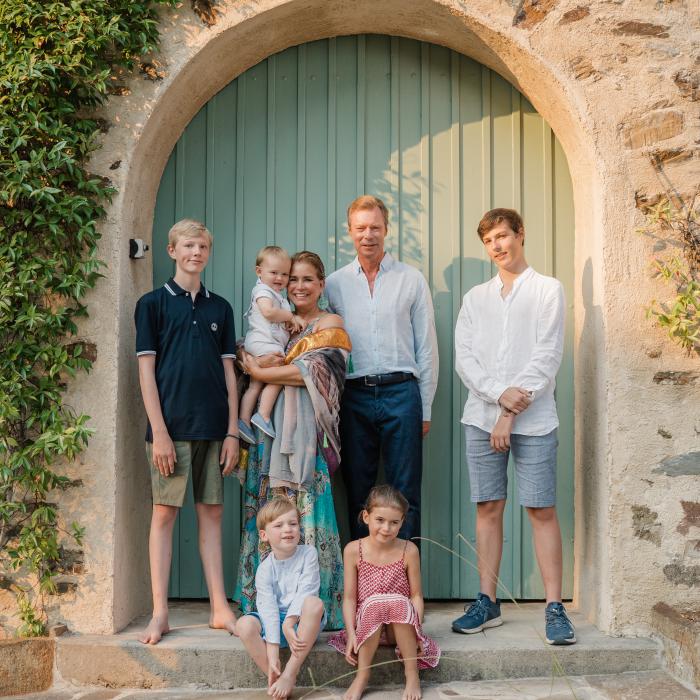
(379, 379)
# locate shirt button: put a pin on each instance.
(194, 322)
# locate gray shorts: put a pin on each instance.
(535, 458)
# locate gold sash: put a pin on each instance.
(326, 338)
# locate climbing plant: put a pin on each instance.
(674, 224)
(58, 62)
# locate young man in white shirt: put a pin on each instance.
(289, 611)
(508, 347)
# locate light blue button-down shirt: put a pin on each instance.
(392, 329)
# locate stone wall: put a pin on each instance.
(619, 84)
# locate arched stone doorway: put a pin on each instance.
(199, 65)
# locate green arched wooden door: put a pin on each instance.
(278, 154)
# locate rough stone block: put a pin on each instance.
(680, 635)
(532, 12)
(642, 29)
(688, 83)
(574, 15)
(26, 665)
(653, 127)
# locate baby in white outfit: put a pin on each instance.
(270, 319)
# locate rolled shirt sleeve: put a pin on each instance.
(544, 362)
(309, 582)
(472, 373)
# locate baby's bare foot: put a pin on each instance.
(354, 692)
(223, 620)
(157, 627)
(282, 687)
(412, 690)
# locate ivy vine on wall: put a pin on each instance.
(57, 61)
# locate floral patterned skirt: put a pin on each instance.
(318, 528)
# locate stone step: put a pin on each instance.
(195, 656)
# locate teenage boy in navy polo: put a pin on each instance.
(185, 343)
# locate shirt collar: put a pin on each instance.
(525, 274)
(176, 290)
(386, 263)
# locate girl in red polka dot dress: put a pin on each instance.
(383, 598)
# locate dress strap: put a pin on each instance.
(403, 556)
(359, 542)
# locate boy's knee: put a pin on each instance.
(313, 606)
(248, 627)
(490, 509)
(211, 512)
(542, 515)
(164, 515)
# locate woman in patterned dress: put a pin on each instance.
(298, 463)
(383, 599)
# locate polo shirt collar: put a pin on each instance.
(386, 264)
(176, 290)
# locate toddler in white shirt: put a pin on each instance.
(289, 610)
(270, 319)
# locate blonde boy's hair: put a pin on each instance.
(188, 228)
(272, 510)
(272, 251)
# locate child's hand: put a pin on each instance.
(274, 670)
(296, 644)
(351, 649)
(296, 324)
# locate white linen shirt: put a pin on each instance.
(516, 341)
(282, 586)
(391, 329)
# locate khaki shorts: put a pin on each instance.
(201, 457)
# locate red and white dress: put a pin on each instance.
(383, 597)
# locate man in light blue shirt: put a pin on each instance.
(385, 410)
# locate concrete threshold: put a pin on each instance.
(192, 655)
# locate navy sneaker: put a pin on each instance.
(482, 613)
(558, 627)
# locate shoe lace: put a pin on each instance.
(478, 607)
(557, 618)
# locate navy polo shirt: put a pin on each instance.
(189, 341)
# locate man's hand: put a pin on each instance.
(164, 456)
(426, 427)
(229, 455)
(271, 360)
(515, 399)
(500, 435)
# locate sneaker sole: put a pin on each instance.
(561, 642)
(264, 430)
(496, 622)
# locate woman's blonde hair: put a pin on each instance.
(386, 496)
(273, 509)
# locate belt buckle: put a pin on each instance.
(371, 380)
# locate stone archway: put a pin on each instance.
(198, 62)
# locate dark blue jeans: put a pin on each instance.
(382, 421)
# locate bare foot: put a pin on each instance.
(283, 686)
(224, 620)
(412, 690)
(157, 627)
(354, 692)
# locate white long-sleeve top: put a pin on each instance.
(282, 586)
(516, 341)
(393, 328)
